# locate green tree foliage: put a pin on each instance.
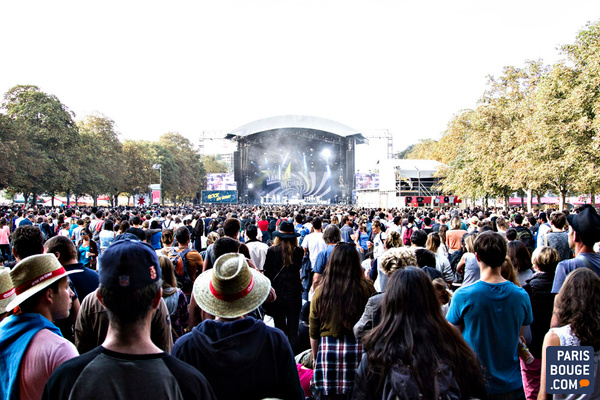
(46, 138)
(535, 129)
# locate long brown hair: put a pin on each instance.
(577, 304)
(413, 332)
(287, 249)
(168, 272)
(342, 291)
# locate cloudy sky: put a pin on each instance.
(193, 66)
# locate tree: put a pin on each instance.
(138, 157)
(46, 137)
(423, 150)
(101, 154)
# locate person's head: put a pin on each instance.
(502, 224)
(542, 218)
(425, 258)
(511, 234)
(109, 225)
(584, 227)
(123, 226)
(135, 220)
(414, 331)
(546, 259)
(231, 288)
(577, 304)
(299, 218)
(444, 295)
(317, 223)
(27, 240)
(509, 272)
(490, 248)
(558, 220)
(433, 242)
(168, 272)
(469, 240)
(167, 237)
(130, 282)
(182, 235)
(518, 219)
(418, 238)
(519, 256)
(225, 245)
(252, 232)
(85, 234)
(397, 258)
(232, 226)
(63, 248)
(455, 223)
(212, 237)
(376, 226)
(332, 234)
(393, 240)
(341, 290)
(42, 286)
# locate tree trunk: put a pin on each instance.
(529, 193)
(95, 196)
(485, 201)
(593, 199)
(52, 194)
(522, 200)
(506, 201)
(563, 200)
(539, 197)
(68, 197)
(33, 199)
(25, 199)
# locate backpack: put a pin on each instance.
(272, 225)
(180, 266)
(407, 234)
(526, 237)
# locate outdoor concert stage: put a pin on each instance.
(295, 160)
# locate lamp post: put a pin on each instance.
(419, 179)
(159, 168)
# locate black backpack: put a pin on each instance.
(526, 237)
(272, 225)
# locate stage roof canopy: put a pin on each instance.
(295, 122)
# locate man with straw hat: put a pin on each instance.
(31, 346)
(128, 364)
(241, 357)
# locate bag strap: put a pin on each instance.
(584, 260)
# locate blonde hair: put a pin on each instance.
(397, 258)
(508, 271)
(470, 243)
(393, 240)
(455, 223)
(433, 242)
(545, 258)
(440, 287)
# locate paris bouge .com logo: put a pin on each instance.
(570, 370)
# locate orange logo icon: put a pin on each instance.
(584, 383)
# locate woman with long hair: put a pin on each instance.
(337, 305)
(442, 263)
(282, 266)
(576, 322)
(414, 353)
(454, 235)
(174, 298)
(521, 260)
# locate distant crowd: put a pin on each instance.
(293, 302)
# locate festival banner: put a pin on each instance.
(219, 196)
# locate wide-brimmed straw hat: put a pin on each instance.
(7, 290)
(33, 274)
(231, 289)
(286, 231)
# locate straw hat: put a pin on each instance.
(231, 289)
(7, 290)
(33, 274)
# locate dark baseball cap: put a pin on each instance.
(129, 264)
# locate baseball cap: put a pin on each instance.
(129, 264)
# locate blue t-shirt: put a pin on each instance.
(346, 232)
(322, 259)
(492, 315)
(566, 266)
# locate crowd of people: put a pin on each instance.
(293, 302)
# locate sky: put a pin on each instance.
(194, 66)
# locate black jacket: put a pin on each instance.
(538, 288)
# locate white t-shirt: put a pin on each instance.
(315, 244)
